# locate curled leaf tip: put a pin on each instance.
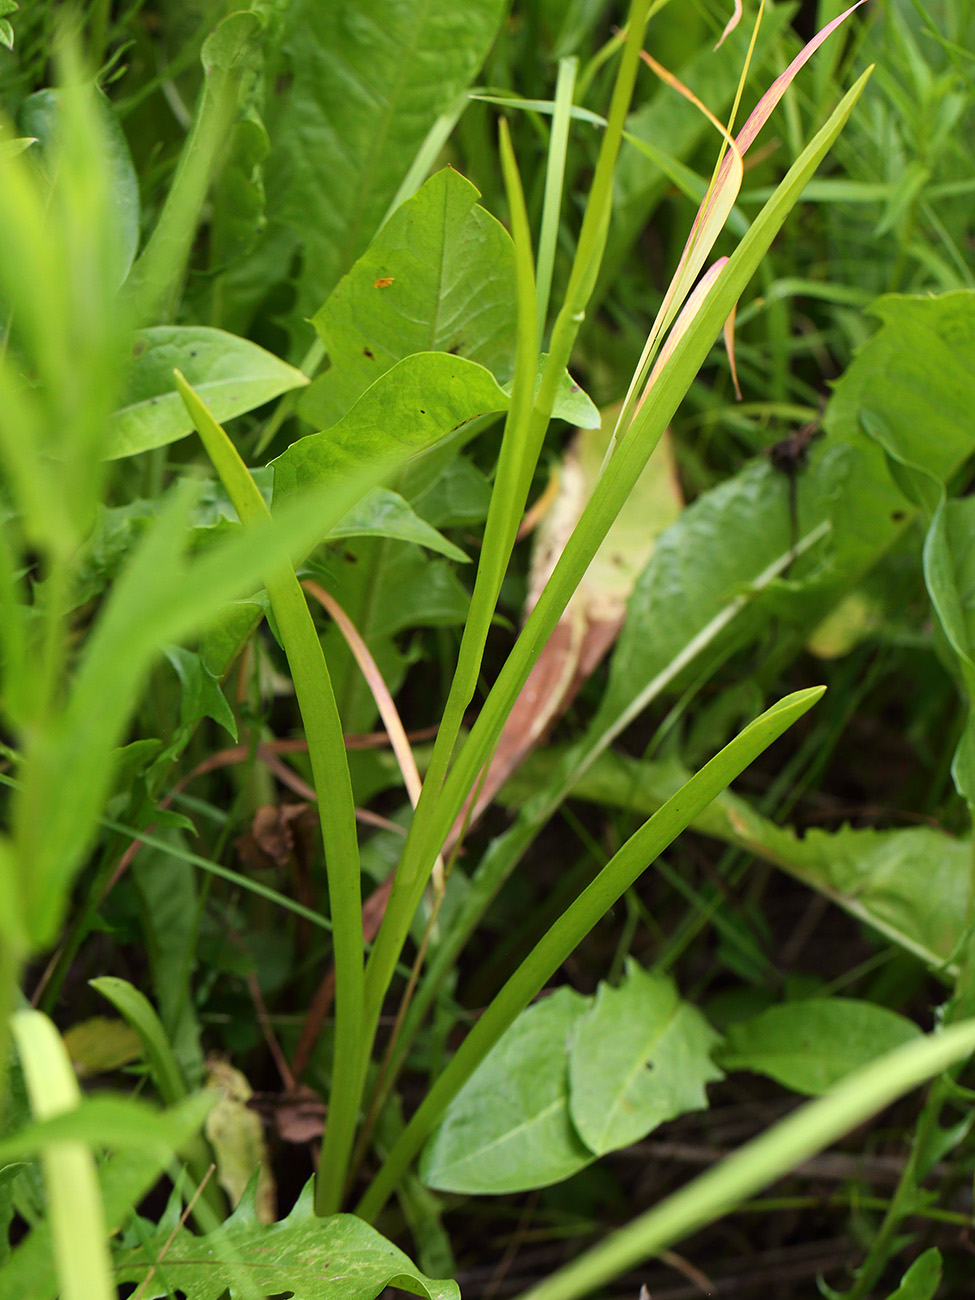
(730, 25)
(729, 343)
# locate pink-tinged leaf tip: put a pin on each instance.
(695, 301)
(730, 26)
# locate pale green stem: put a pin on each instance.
(336, 808)
(154, 284)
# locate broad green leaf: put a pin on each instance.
(409, 408)
(571, 404)
(508, 1129)
(382, 513)
(731, 541)
(639, 1056)
(232, 375)
(810, 1045)
(438, 277)
(457, 496)
(358, 87)
(784, 1146)
(915, 375)
(922, 1279)
(238, 196)
(302, 1256)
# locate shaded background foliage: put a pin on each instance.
(334, 116)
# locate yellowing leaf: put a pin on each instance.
(101, 1044)
(237, 1136)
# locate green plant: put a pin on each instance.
(301, 189)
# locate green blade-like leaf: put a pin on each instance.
(639, 1057)
(141, 1015)
(912, 885)
(40, 116)
(74, 1200)
(578, 919)
(115, 1122)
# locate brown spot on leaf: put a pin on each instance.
(383, 282)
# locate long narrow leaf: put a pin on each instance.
(623, 869)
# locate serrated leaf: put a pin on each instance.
(303, 1256)
(508, 1129)
(231, 374)
(810, 1045)
(639, 1057)
(201, 696)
